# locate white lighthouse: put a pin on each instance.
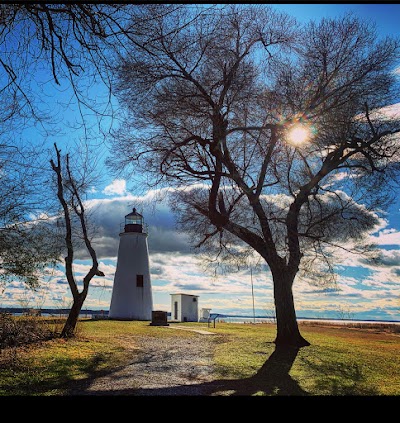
(131, 296)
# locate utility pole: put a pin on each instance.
(252, 294)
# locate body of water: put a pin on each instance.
(218, 317)
(267, 319)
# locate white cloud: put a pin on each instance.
(387, 237)
(175, 268)
(118, 186)
(391, 112)
(83, 268)
(183, 274)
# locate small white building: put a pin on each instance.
(184, 307)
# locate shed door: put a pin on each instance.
(176, 310)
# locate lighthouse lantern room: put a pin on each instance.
(133, 222)
(131, 296)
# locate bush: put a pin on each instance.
(17, 331)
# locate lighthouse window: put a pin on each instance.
(139, 281)
(194, 300)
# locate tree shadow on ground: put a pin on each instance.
(62, 376)
(271, 379)
(340, 378)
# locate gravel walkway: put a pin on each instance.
(163, 366)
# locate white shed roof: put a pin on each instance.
(188, 295)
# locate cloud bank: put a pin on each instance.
(369, 290)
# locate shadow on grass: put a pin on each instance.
(62, 370)
(271, 379)
(340, 378)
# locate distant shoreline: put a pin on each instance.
(87, 312)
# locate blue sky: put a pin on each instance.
(364, 290)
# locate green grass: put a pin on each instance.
(340, 361)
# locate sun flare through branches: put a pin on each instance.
(299, 134)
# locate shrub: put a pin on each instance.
(17, 331)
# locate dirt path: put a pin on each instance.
(164, 366)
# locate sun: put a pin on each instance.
(299, 134)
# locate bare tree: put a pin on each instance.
(50, 52)
(211, 106)
(270, 312)
(24, 227)
(66, 45)
(69, 191)
(63, 44)
(344, 313)
(41, 46)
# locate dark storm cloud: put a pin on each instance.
(165, 240)
(108, 219)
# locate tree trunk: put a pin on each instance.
(288, 333)
(70, 324)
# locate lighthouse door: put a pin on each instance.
(176, 310)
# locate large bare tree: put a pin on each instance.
(270, 132)
(69, 193)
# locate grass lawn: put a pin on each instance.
(340, 361)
